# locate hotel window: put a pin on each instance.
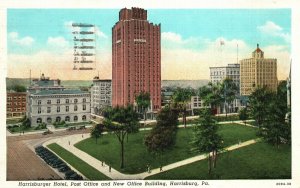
(67, 101)
(39, 110)
(58, 109)
(75, 108)
(39, 102)
(58, 101)
(75, 100)
(48, 101)
(84, 107)
(67, 108)
(48, 109)
(84, 100)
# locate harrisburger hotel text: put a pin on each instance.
(114, 183)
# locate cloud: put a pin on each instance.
(57, 66)
(272, 29)
(191, 58)
(99, 33)
(175, 40)
(58, 42)
(25, 41)
(283, 56)
(180, 62)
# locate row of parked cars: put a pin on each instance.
(52, 160)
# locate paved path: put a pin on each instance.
(114, 174)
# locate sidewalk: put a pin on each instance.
(114, 174)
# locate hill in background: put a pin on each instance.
(86, 83)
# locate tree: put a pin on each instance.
(122, 121)
(143, 102)
(26, 123)
(243, 114)
(211, 95)
(163, 135)
(206, 138)
(275, 129)
(97, 131)
(17, 88)
(228, 91)
(180, 100)
(259, 101)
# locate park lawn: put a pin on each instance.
(137, 157)
(18, 130)
(13, 121)
(256, 161)
(88, 171)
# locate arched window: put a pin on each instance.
(67, 118)
(49, 120)
(83, 117)
(39, 120)
(75, 118)
(58, 119)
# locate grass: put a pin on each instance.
(228, 118)
(257, 161)
(16, 130)
(137, 157)
(88, 171)
(13, 121)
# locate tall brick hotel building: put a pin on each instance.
(136, 58)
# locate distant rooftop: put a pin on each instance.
(60, 92)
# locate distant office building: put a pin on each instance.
(232, 71)
(136, 58)
(197, 104)
(49, 102)
(100, 95)
(258, 72)
(15, 104)
(166, 96)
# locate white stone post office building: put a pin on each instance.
(51, 106)
(48, 102)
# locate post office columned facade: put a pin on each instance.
(136, 58)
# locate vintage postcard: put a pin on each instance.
(149, 95)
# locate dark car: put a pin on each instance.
(63, 168)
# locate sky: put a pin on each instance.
(41, 40)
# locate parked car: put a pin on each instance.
(47, 132)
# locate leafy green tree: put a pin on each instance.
(275, 128)
(211, 95)
(243, 115)
(17, 88)
(143, 102)
(26, 123)
(180, 100)
(259, 101)
(97, 131)
(228, 91)
(163, 135)
(122, 121)
(206, 139)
